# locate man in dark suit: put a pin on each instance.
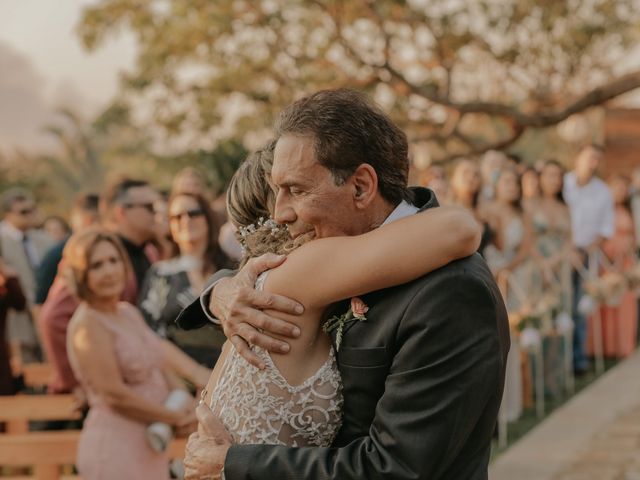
(423, 376)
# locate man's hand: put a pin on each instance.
(207, 448)
(188, 422)
(239, 307)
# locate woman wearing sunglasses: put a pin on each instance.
(172, 284)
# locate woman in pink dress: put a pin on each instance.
(122, 365)
(620, 322)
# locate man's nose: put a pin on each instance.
(283, 211)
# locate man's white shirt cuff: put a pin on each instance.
(205, 297)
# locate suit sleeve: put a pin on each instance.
(197, 314)
(446, 373)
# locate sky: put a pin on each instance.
(44, 66)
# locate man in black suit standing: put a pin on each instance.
(423, 376)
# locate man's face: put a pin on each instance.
(307, 197)
(138, 211)
(22, 214)
(587, 163)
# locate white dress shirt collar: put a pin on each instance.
(404, 209)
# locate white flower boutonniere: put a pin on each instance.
(356, 313)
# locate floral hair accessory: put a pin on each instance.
(263, 223)
(356, 313)
(263, 227)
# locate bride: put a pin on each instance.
(296, 400)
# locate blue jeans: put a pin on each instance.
(580, 361)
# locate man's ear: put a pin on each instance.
(365, 185)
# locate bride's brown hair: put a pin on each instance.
(250, 202)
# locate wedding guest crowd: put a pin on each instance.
(561, 242)
(546, 230)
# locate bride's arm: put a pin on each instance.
(326, 270)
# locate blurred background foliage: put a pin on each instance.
(460, 76)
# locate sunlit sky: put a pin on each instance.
(43, 66)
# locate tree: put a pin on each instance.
(464, 75)
(86, 153)
(221, 163)
(76, 163)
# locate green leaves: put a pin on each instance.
(411, 55)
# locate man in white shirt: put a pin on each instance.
(592, 221)
(22, 248)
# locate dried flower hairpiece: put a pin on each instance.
(262, 225)
(264, 236)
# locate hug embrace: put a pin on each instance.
(366, 338)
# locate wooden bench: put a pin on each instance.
(36, 374)
(47, 452)
(18, 410)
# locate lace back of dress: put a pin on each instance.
(259, 406)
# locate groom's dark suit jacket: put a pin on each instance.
(423, 379)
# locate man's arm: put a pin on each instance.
(444, 387)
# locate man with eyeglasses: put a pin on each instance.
(127, 208)
(22, 247)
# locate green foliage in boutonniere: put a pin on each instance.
(356, 313)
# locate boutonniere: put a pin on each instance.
(356, 313)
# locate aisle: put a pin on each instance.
(613, 454)
(595, 436)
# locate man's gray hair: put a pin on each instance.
(349, 129)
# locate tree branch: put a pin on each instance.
(597, 96)
(480, 149)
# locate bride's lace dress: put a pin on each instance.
(260, 406)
